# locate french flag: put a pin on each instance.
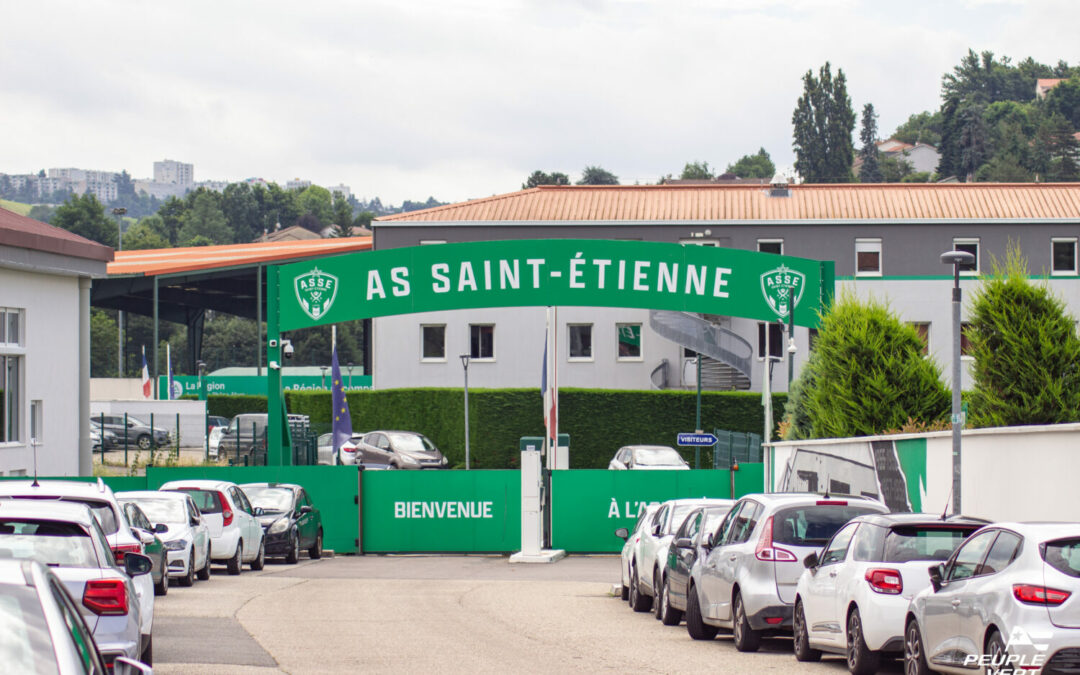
(146, 390)
(550, 398)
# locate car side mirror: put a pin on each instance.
(143, 536)
(810, 561)
(136, 564)
(306, 508)
(161, 528)
(122, 665)
(936, 575)
(684, 542)
(622, 533)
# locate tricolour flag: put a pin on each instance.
(146, 390)
(168, 365)
(549, 393)
(342, 425)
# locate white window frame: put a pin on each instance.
(978, 253)
(570, 341)
(869, 245)
(700, 241)
(1063, 240)
(481, 359)
(15, 349)
(771, 241)
(431, 242)
(432, 359)
(641, 344)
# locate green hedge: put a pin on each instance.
(599, 421)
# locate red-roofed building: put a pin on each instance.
(1044, 84)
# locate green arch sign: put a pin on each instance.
(538, 272)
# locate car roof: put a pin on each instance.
(648, 447)
(900, 519)
(394, 431)
(135, 495)
(70, 512)
(12, 571)
(59, 488)
(290, 486)
(1043, 530)
(783, 497)
(701, 501)
(198, 483)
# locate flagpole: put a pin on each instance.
(554, 387)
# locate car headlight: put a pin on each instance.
(409, 460)
(279, 526)
(176, 545)
(443, 461)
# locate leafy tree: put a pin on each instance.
(823, 122)
(228, 341)
(758, 165)
(148, 233)
(85, 216)
(983, 79)
(241, 211)
(540, 178)
(205, 220)
(1054, 152)
(870, 171)
(973, 140)
(594, 175)
(1003, 169)
(102, 343)
(317, 202)
(1026, 352)
(363, 219)
(343, 217)
(431, 203)
(894, 169)
(870, 374)
(41, 212)
(172, 215)
(924, 127)
(1064, 99)
(696, 171)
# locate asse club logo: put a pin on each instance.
(315, 291)
(783, 289)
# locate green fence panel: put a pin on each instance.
(445, 511)
(333, 489)
(588, 505)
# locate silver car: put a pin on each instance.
(1008, 600)
(178, 522)
(748, 580)
(648, 457)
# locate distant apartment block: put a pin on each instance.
(297, 184)
(213, 185)
(343, 190)
(171, 171)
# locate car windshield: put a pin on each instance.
(411, 443)
(813, 525)
(1063, 555)
(657, 457)
(678, 515)
(25, 644)
(270, 499)
(50, 542)
(713, 518)
(207, 500)
(162, 510)
(903, 544)
(106, 517)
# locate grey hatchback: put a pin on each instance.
(400, 450)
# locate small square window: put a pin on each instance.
(433, 342)
(923, 329)
(482, 341)
(629, 335)
(580, 342)
(970, 246)
(868, 257)
(771, 246)
(1063, 254)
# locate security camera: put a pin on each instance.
(287, 348)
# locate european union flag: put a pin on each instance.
(342, 429)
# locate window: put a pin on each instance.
(868, 257)
(1001, 553)
(699, 242)
(580, 342)
(11, 366)
(1063, 255)
(431, 242)
(923, 329)
(771, 246)
(776, 340)
(836, 550)
(36, 429)
(629, 336)
(967, 560)
(433, 342)
(971, 246)
(481, 341)
(965, 341)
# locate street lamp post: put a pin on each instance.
(465, 365)
(956, 259)
(324, 369)
(119, 212)
(350, 367)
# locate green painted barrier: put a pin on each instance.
(444, 511)
(588, 505)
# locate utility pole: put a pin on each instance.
(119, 212)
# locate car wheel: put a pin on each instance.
(803, 651)
(204, 573)
(695, 626)
(162, 586)
(188, 580)
(746, 638)
(914, 656)
(293, 554)
(392, 466)
(233, 563)
(638, 602)
(625, 594)
(995, 649)
(260, 560)
(144, 441)
(656, 605)
(669, 616)
(861, 660)
(315, 552)
(147, 655)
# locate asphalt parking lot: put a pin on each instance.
(436, 613)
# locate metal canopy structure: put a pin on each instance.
(180, 284)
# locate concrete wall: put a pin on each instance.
(116, 389)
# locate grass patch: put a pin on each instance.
(17, 207)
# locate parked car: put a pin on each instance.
(244, 438)
(654, 457)
(52, 636)
(235, 535)
(213, 442)
(153, 546)
(68, 538)
(177, 520)
(853, 595)
(101, 439)
(137, 432)
(691, 545)
(1009, 595)
(400, 450)
(347, 453)
(289, 520)
(748, 580)
(122, 539)
(215, 421)
(632, 539)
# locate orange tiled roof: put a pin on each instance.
(24, 232)
(1049, 82)
(653, 203)
(170, 260)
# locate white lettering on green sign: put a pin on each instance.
(421, 510)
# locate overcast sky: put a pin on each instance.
(456, 99)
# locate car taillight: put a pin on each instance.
(885, 581)
(120, 550)
(106, 597)
(1039, 595)
(349, 448)
(765, 549)
(226, 512)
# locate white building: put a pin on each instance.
(341, 189)
(297, 184)
(45, 276)
(172, 171)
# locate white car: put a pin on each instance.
(110, 516)
(648, 457)
(213, 441)
(632, 539)
(852, 597)
(181, 527)
(236, 537)
(347, 454)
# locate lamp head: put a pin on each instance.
(791, 348)
(465, 360)
(957, 258)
